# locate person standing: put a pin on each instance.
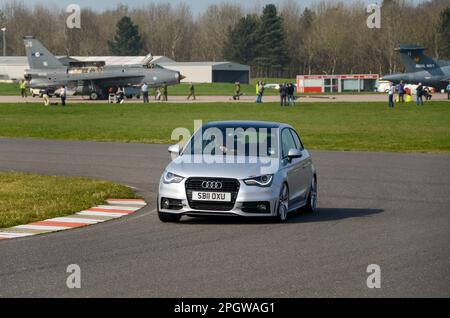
(391, 92)
(191, 91)
(261, 92)
(448, 91)
(63, 95)
(257, 91)
(401, 92)
(283, 94)
(290, 94)
(237, 91)
(144, 90)
(23, 88)
(420, 92)
(164, 92)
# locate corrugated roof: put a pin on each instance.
(214, 65)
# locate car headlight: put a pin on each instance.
(170, 177)
(261, 181)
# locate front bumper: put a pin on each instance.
(247, 197)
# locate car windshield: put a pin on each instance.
(234, 140)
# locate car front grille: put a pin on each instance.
(228, 185)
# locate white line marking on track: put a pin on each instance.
(115, 207)
(125, 202)
(42, 227)
(75, 220)
(13, 234)
(94, 213)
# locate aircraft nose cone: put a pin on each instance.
(181, 77)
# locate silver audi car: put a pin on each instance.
(238, 168)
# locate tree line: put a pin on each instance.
(277, 41)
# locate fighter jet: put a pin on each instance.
(47, 71)
(421, 68)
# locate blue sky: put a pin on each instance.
(197, 6)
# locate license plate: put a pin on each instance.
(211, 196)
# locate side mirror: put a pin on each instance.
(294, 153)
(175, 150)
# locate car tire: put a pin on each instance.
(311, 205)
(169, 217)
(283, 204)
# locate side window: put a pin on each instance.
(287, 142)
(297, 140)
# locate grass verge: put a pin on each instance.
(325, 126)
(26, 198)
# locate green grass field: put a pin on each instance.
(326, 126)
(227, 89)
(7, 89)
(26, 198)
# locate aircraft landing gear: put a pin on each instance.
(93, 96)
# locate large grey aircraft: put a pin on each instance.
(421, 68)
(47, 71)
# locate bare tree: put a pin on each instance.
(328, 37)
(212, 30)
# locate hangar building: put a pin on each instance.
(211, 72)
(12, 68)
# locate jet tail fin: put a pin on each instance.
(414, 59)
(38, 56)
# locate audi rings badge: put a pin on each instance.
(212, 185)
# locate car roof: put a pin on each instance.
(245, 124)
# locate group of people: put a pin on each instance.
(158, 93)
(116, 95)
(45, 93)
(62, 96)
(421, 93)
(286, 91)
(287, 94)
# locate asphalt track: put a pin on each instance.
(374, 208)
(225, 99)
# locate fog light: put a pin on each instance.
(165, 203)
(261, 207)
